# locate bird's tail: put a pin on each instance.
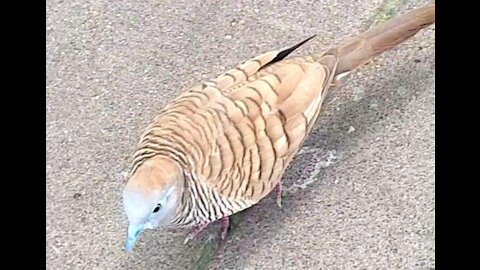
(358, 50)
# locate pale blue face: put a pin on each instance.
(144, 213)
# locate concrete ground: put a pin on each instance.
(360, 195)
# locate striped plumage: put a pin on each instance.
(225, 144)
(235, 136)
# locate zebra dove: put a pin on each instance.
(223, 145)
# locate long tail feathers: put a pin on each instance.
(358, 50)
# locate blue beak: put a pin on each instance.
(133, 232)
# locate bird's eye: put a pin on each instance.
(157, 208)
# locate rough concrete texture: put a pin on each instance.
(361, 195)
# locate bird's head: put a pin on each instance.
(151, 196)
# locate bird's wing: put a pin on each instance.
(256, 116)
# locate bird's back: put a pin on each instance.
(237, 134)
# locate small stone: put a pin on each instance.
(228, 37)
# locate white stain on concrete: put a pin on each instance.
(321, 159)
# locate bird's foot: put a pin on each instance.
(278, 194)
(224, 226)
(195, 231)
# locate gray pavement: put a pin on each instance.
(360, 195)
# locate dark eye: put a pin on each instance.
(157, 208)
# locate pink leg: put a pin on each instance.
(195, 231)
(278, 194)
(224, 223)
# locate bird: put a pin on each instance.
(223, 145)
